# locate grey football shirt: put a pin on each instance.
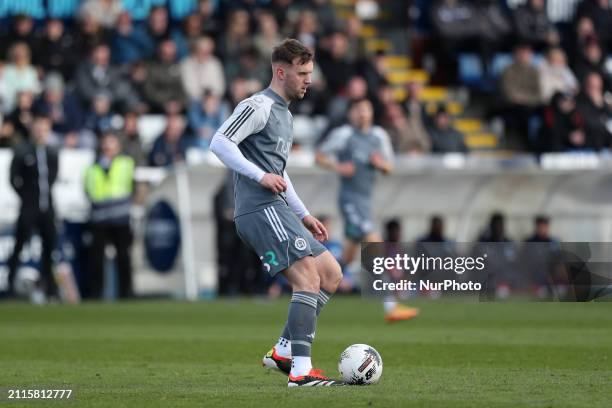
(347, 143)
(262, 127)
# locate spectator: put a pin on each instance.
(590, 60)
(267, 36)
(101, 118)
(383, 98)
(240, 89)
(66, 113)
(109, 187)
(600, 13)
(502, 257)
(555, 75)
(33, 172)
(417, 118)
(54, 50)
(89, 35)
(435, 244)
(97, 75)
(335, 63)
(202, 71)
(138, 78)
(337, 108)
(18, 76)
(208, 19)
(130, 139)
(407, 136)
(541, 257)
(236, 39)
(562, 128)
(326, 14)
(307, 27)
(191, 31)
(436, 231)
(533, 26)
(496, 231)
(205, 117)
(128, 43)
(171, 146)
(596, 113)
(281, 10)
(158, 29)
(104, 12)
(585, 32)
(22, 31)
(19, 121)
(357, 46)
(495, 27)
(251, 67)
(163, 88)
(520, 86)
(541, 232)
(455, 27)
(445, 138)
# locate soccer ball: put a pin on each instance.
(360, 364)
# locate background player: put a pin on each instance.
(357, 151)
(255, 142)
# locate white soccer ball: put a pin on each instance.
(360, 364)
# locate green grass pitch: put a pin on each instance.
(207, 354)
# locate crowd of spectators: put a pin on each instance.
(103, 70)
(555, 93)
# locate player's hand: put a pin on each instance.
(316, 227)
(274, 182)
(346, 169)
(377, 160)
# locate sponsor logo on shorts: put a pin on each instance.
(300, 244)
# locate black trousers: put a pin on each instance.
(29, 221)
(120, 237)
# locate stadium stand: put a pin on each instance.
(500, 79)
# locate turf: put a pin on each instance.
(456, 354)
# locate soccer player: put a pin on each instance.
(357, 151)
(255, 142)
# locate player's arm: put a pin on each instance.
(245, 120)
(326, 155)
(383, 160)
(295, 203)
(293, 200)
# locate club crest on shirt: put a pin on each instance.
(300, 244)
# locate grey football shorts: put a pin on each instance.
(357, 219)
(278, 237)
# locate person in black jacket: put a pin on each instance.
(533, 25)
(33, 172)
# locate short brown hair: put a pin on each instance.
(289, 50)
